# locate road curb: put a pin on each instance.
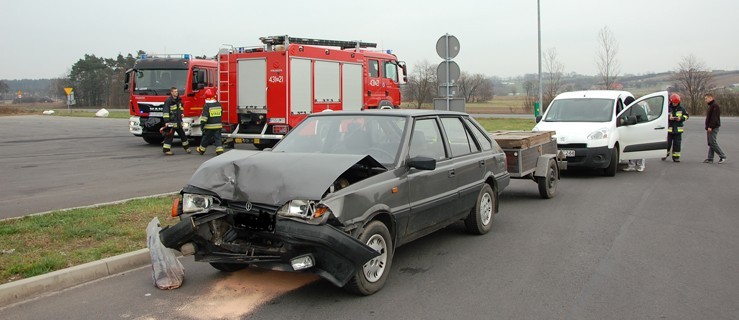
(23, 289)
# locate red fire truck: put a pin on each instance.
(265, 91)
(149, 82)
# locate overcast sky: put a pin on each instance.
(43, 39)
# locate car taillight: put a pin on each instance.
(280, 129)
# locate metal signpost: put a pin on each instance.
(448, 72)
(70, 98)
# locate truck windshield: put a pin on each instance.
(159, 81)
(377, 136)
(580, 110)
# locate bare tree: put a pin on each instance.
(554, 69)
(475, 88)
(530, 87)
(421, 84)
(608, 66)
(694, 79)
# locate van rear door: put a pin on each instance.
(642, 127)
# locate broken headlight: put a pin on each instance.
(196, 202)
(306, 210)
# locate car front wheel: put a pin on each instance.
(372, 276)
(480, 219)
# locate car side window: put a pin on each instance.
(646, 110)
(482, 137)
(458, 137)
(426, 140)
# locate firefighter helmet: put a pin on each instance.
(675, 98)
(209, 93)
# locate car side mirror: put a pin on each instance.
(422, 163)
(538, 119)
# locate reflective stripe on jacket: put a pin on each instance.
(676, 126)
(211, 117)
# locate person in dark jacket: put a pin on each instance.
(173, 122)
(210, 122)
(713, 122)
(677, 116)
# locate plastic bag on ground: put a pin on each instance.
(166, 270)
(102, 113)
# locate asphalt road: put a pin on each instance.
(660, 244)
(49, 163)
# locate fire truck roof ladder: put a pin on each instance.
(285, 40)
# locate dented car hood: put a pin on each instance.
(273, 177)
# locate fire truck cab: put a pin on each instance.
(149, 82)
(267, 90)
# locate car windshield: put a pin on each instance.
(378, 136)
(159, 81)
(580, 110)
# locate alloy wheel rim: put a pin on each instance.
(486, 209)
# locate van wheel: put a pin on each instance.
(373, 274)
(610, 171)
(480, 219)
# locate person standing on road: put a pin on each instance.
(713, 122)
(210, 121)
(173, 122)
(677, 115)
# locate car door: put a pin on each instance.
(469, 164)
(642, 127)
(432, 193)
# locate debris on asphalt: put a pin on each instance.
(166, 270)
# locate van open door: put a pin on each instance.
(642, 127)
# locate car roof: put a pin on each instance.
(607, 94)
(393, 112)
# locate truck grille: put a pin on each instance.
(146, 108)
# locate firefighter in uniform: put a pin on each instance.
(173, 122)
(210, 122)
(677, 115)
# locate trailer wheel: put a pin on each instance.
(548, 183)
(372, 276)
(228, 267)
(480, 219)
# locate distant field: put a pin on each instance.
(499, 104)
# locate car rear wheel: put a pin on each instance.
(548, 183)
(227, 267)
(372, 276)
(480, 219)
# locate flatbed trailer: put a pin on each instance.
(533, 155)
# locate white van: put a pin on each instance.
(598, 128)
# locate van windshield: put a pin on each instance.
(580, 110)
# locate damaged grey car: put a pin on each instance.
(340, 193)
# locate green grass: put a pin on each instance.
(495, 124)
(40, 244)
(116, 114)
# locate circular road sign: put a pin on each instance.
(441, 46)
(454, 71)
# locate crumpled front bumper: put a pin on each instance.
(337, 255)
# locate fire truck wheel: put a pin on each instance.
(385, 103)
(153, 140)
(264, 145)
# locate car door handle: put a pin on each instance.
(482, 163)
(451, 173)
(659, 128)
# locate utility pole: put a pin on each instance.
(538, 18)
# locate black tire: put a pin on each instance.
(372, 276)
(610, 171)
(153, 140)
(480, 219)
(228, 267)
(548, 183)
(265, 145)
